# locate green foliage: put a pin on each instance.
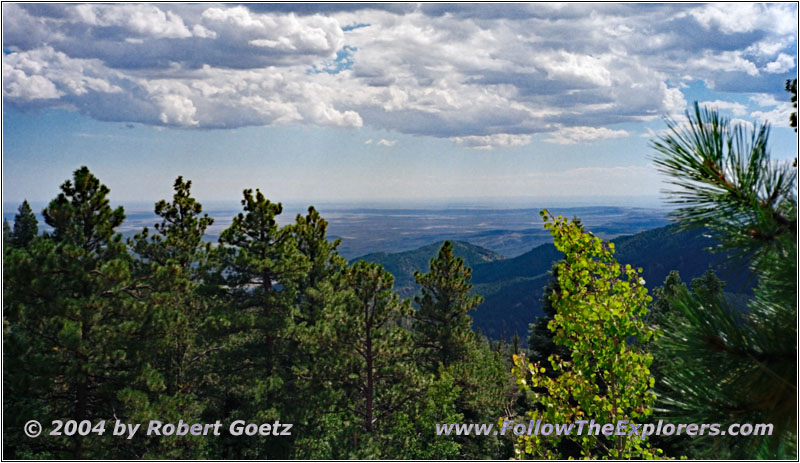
(600, 305)
(260, 269)
(8, 236)
(446, 344)
(404, 265)
(791, 87)
(74, 326)
(726, 366)
(370, 358)
(540, 340)
(26, 226)
(726, 181)
(708, 286)
(443, 326)
(662, 294)
(172, 264)
(273, 324)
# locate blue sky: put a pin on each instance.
(397, 101)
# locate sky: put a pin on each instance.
(394, 101)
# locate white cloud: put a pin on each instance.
(737, 109)
(18, 84)
(146, 20)
(747, 125)
(284, 33)
(487, 142)
(385, 142)
(368, 142)
(573, 135)
(742, 17)
(776, 112)
(483, 76)
(764, 100)
(177, 110)
(783, 63)
(778, 117)
(726, 61)
(48, 74)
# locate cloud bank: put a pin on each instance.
(484, 76)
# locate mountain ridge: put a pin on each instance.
(512, 287)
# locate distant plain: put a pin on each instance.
(390, 228)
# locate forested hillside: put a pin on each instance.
(512, 288)
(403, 264)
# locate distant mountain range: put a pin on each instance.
(403, 264)
(512, 288)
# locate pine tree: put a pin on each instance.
(319, 289)
(74, 325)
(375, 363)
(261, 268)
(662, 294)
(708, 286)
(8, 237)
(443, 326)
(447, 347)
(173, 262)
(729, 367)
(26, 226)
(325, 263)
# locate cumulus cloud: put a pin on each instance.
(140, 19)
(747, 17)
(773, 111)
(737, 109)
(482, 76)
(783, 63)
(573, 135)
(19, 85)
(385, 142)
(727, 61)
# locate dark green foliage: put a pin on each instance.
(81, 216)
(7, 235)
(172, 265)
(725, 181)
(663, 294)
(708, 286)
(26, 227)
(725, 366)
(370, 360)
(403, 265)
(74, 326)
(273, 324)
(443, 326)
(791, 87)
(261, 269)
(447, 347)
(540, 341)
